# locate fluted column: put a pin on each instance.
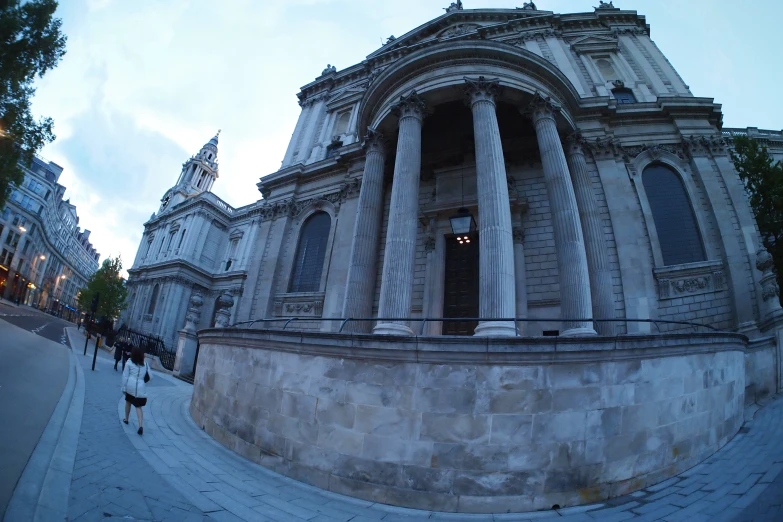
(575, 300)
(364, 250)
(520, 271)
(601, 289)
(397, 282)
(496, 245)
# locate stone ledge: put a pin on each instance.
(477, 350)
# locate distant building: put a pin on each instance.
(45, 257)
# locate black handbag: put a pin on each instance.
(146, 373)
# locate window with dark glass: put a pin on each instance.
(153, 300)
(675, 223)
(624, 95)
(310, 253)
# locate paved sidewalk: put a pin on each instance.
(176, 472)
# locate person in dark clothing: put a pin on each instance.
(118, 354)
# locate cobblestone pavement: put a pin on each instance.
(177, 472)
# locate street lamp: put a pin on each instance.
(42, 258)
(463, 224)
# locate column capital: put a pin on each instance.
(410, 106)
(518, 234)
(481, 89)
(575, 143)
(374, 141)
(542, 107)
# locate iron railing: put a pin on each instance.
(516, 320)
(150, 344)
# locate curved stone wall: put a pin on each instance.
(471, 424)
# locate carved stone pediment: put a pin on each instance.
(690, 279)
(457, 30)
(310, 304)
(594, 44)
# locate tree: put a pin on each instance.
(108, 282)
(30, 44)
(763, 179)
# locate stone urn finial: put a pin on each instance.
(223, 314)
(194, 312)
(770, 292)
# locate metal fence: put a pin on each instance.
(269, 323)
(150, 344)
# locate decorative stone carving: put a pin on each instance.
(374, 140)
(481, 88)
(194, 312)
(296, 305)
(390, 39)
(690, 279)
(519, 234)
(605, 5)
(429, 244)
(411, 105)
(455, 6)
(770, 292)
(542, 106)
(458, 30)
(329, 69)
(294, 208)
(223, 314)
(701, 144)
(528, 6)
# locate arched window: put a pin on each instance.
(153, 300)
(309, 259)
(624, 95)
(678, 233)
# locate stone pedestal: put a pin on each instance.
(360, 286)
(770, 292)
(398, 258)
(496, 247)
(601, 288)
(187, 344)
(575, 297)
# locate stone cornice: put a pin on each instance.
(295, 173)
(293, 207)
(476, 350)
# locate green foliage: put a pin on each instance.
(30, 44)
(763, 178)
(113, 291)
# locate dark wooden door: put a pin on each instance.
(461, 291)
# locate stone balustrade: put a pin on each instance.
(474, 424)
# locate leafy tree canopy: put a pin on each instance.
(30, 44)
(763, 178)
(108, 282)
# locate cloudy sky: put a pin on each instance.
(145, 83)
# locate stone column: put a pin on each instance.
(520, 270)
(397, 282)
(575, 300)
(601, 288)
(496, 245)
(360, 286)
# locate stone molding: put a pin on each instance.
(477, 350)
(411, 106)
(293, 207)
(298, 305)
(710, 144)
(690, 279)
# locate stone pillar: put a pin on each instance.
(770, 292)
(360, 287)
(496, 246)
(187, 343)
(520, 271)
(575, 300)
(601, 288)
(398, 258)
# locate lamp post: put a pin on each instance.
(463, 225)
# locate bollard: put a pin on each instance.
(87, 340)
(95, 353)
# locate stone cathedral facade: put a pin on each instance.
(492, 179)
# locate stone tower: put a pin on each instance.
(197, 176)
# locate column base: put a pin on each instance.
(495, 329)
(391, 329)
(580, 331)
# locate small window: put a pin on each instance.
(310, 253)
(678, 232)
(624, 95)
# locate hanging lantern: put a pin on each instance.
(463, 224)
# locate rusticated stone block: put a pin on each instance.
(565, 426)
(444, 427)
(576, 399)
(520, 401)
(298, 405)
(427, 479)
(341, 440)
(386, 421)
(449, 400)
(393, 449)
(498, 483)
(511, 429)
(376, 395)
(333, 413)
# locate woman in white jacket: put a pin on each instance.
(134, 378)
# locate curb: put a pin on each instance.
(43, 489)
